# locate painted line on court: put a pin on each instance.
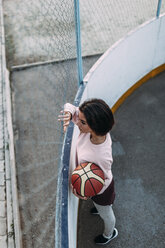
(143, 80)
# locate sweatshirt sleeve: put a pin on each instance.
(73, 110)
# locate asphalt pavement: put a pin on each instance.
(139, 173)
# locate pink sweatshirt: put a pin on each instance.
(86, 151)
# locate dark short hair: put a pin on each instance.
(98, 115)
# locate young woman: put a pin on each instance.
(95, 119)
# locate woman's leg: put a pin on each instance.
(107, 214)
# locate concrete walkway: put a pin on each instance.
(3, 210)
(139, 172)
(3, 207)
(7, 234)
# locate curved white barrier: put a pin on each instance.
(125, 63)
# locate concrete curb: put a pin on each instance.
(3, 189)
(10, 221)
(9, 207)
(11, 168)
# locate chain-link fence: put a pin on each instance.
(41, 55)
(42, 34)
(45, 30)
(39, 30)
(105, 22)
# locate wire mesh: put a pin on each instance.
(105, 22)
(162, 7)
(40, 33)
(39, 30)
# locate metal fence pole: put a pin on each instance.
(158, 8)
(78, 41)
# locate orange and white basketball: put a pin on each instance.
(88, 179)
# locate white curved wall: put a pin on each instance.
(114, 73)
(72, 200)
(125, 63)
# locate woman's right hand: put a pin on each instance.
(65, 117)
(77, 195)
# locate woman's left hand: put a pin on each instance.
(77, 195)
(65, 117)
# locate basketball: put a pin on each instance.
(87, 179)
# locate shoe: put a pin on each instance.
(101, 240)
(94, 211)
